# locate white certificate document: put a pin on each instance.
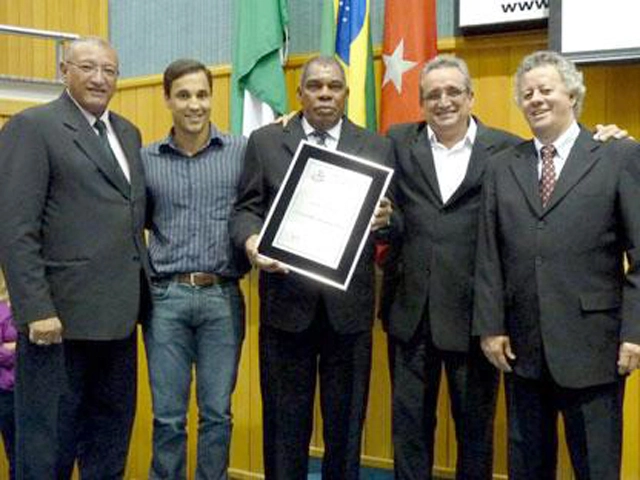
(322, 213)
(320, 220)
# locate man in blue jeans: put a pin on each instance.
(198, 310)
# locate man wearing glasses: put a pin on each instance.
(72, 208)
(440, 164)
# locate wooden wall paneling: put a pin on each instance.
(27, 46)
(125, 103)
(242, 398)
(631, 434)
(53, 21)
(148, 105)
(493, 69)
(565, 472)
(4, 40)
(140, 452)
(500, 436)
(14, 42)
(623, 94)
(80, 20)
(445, 454)
(596, 80)
(42, 57)
(255, 410)
(220, 111)
(377, 443)
(192, 428)
(32, 57)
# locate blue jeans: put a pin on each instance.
(202, 327)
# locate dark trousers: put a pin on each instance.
(7, 427)
(473, 387)
(74, 401)
(593, 428)
(289, 364)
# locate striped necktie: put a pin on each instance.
(320, 137)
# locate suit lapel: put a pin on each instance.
(88, 143)
(480, 153)
(583, 155)
(350, 138)
(293, 134)
(525, 170)
(422, 156)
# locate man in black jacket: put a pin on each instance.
(428, 286)
(72, 208)
(439, 169)
(306, 328)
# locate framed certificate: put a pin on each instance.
(319, 221)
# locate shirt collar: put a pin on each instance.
(333, 132)
(216, 139)
(467, 140)
(564, 142)
(90, 117)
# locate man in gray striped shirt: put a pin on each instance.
(198, 309)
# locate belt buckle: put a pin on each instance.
(192, 279)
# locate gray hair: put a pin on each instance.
(570, 75)
(447, 61)
(325, 61)
(71, 46)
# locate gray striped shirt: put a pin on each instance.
(189, 201)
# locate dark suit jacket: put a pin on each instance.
(288, 301)
(433, 270)
(553, 279)
(71, 226)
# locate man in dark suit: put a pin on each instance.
(553, 303)
(72, 208)
(440, 164)
(306, 328)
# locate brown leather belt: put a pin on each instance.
(199, 279)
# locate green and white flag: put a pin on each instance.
(258, 91)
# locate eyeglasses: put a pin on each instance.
(453, 93)
(90, 69)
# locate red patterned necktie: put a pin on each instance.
(548, 177)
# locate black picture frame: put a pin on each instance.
(339, 277)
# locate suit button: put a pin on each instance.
(427, 271)
(539, 261)
(136, 258)
(541, 224)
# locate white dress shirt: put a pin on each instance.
(452, 163)
(563, 145)
(114, 143)
(333, 134)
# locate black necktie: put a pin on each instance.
(104, 140)
(320, 136)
